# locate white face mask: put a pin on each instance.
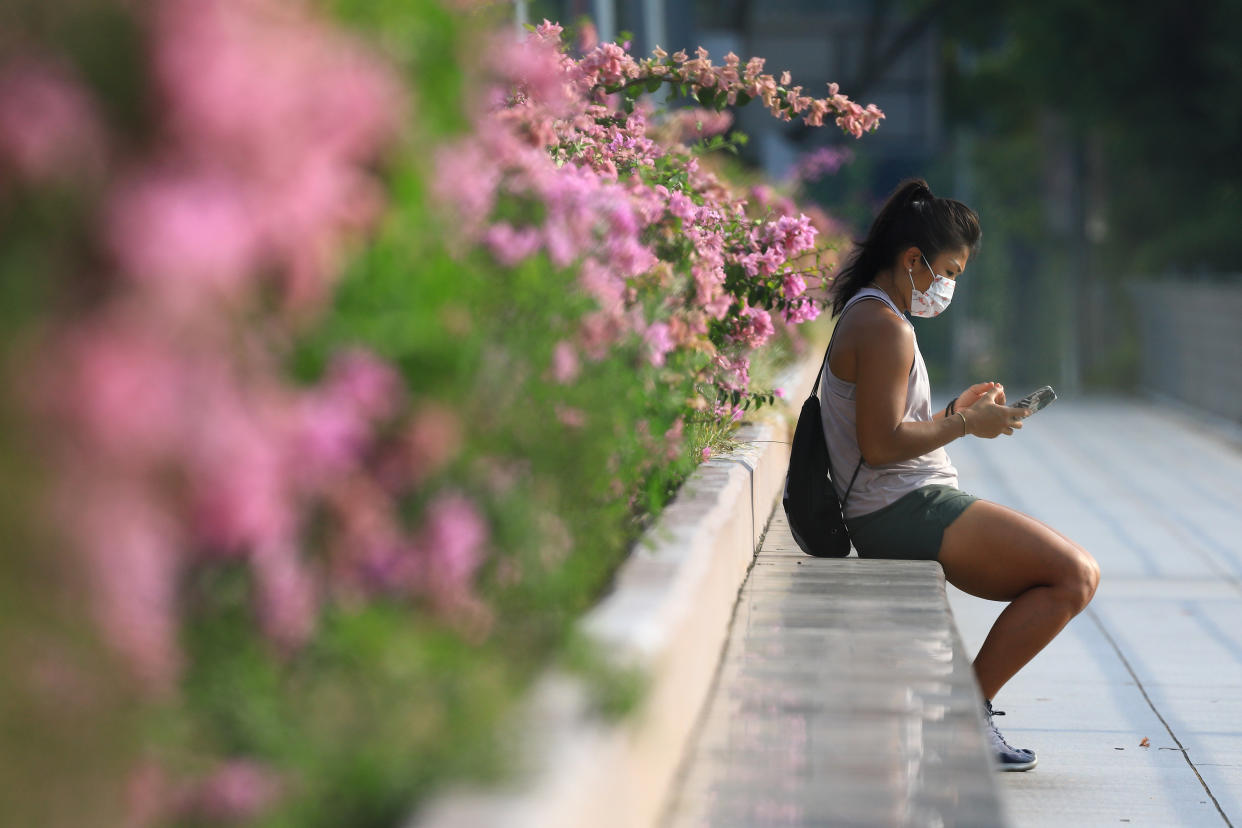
(935, 299)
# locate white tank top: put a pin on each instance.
(877, 486)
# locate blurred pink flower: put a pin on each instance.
(571, 417)
(238, 791)
(707, 452)
(187, 236)
(133, 558)
(292, 110)
(681, 206)
(48, 125)
(286, 596)
(673, 439)
(565, 366)
(365, 382)
(123, 387)
(659, 343)
(821, 162)
(588, 38)
(466, 178)
(236, 463)
(511, 245)
(452, 540)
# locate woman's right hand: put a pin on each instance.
(988, 418)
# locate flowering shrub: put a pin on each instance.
(350, 398)
(554, 142)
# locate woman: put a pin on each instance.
(892, 473)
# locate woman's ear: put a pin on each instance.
(910, 258)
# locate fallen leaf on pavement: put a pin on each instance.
(1145, 742)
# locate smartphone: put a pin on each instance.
(1037, 399)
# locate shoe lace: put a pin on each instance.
(995, 729)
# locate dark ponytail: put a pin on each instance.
(912, 217)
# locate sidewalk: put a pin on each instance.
(1158, 654)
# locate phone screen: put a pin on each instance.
(1037, 399)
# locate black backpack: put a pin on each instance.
(810, 500)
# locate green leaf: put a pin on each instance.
(653, 84)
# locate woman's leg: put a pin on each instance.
(1003, 555)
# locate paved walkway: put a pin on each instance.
(1157, 657)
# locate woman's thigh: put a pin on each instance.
(998, 553)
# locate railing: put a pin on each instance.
(1190, 340)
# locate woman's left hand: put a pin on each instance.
(975, 393)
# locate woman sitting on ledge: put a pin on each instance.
(882, 434)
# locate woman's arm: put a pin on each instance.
(884, 349)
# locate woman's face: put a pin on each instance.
(948, 263)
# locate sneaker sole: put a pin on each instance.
(1013, 767)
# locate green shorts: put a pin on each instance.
(912, 527)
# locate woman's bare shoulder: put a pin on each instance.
(865, 320)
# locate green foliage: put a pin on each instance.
(1149, 82)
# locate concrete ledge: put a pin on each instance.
(668, 615)
(844, 698)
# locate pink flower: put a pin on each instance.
(287, 599)
(571, 417)
(511, 245)
(707, 452)
(608, 62)
(794, 285)
(48, 125)
(757, 327)
(466, 179)
(288, 114)
(659, 343)
(186, 236)
(587, 36)
(673, 439)
(779, 393)
(792, 235)
(363, 381)
(132, 556)
(821, 162)
(681, 206)
(452, 540)
(238, 791)
(123, 388)
(237, 466)
(550, 32)
(804, 310)
(564, 362)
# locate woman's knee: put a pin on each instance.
(1081, 579)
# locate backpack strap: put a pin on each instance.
(815, 393)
